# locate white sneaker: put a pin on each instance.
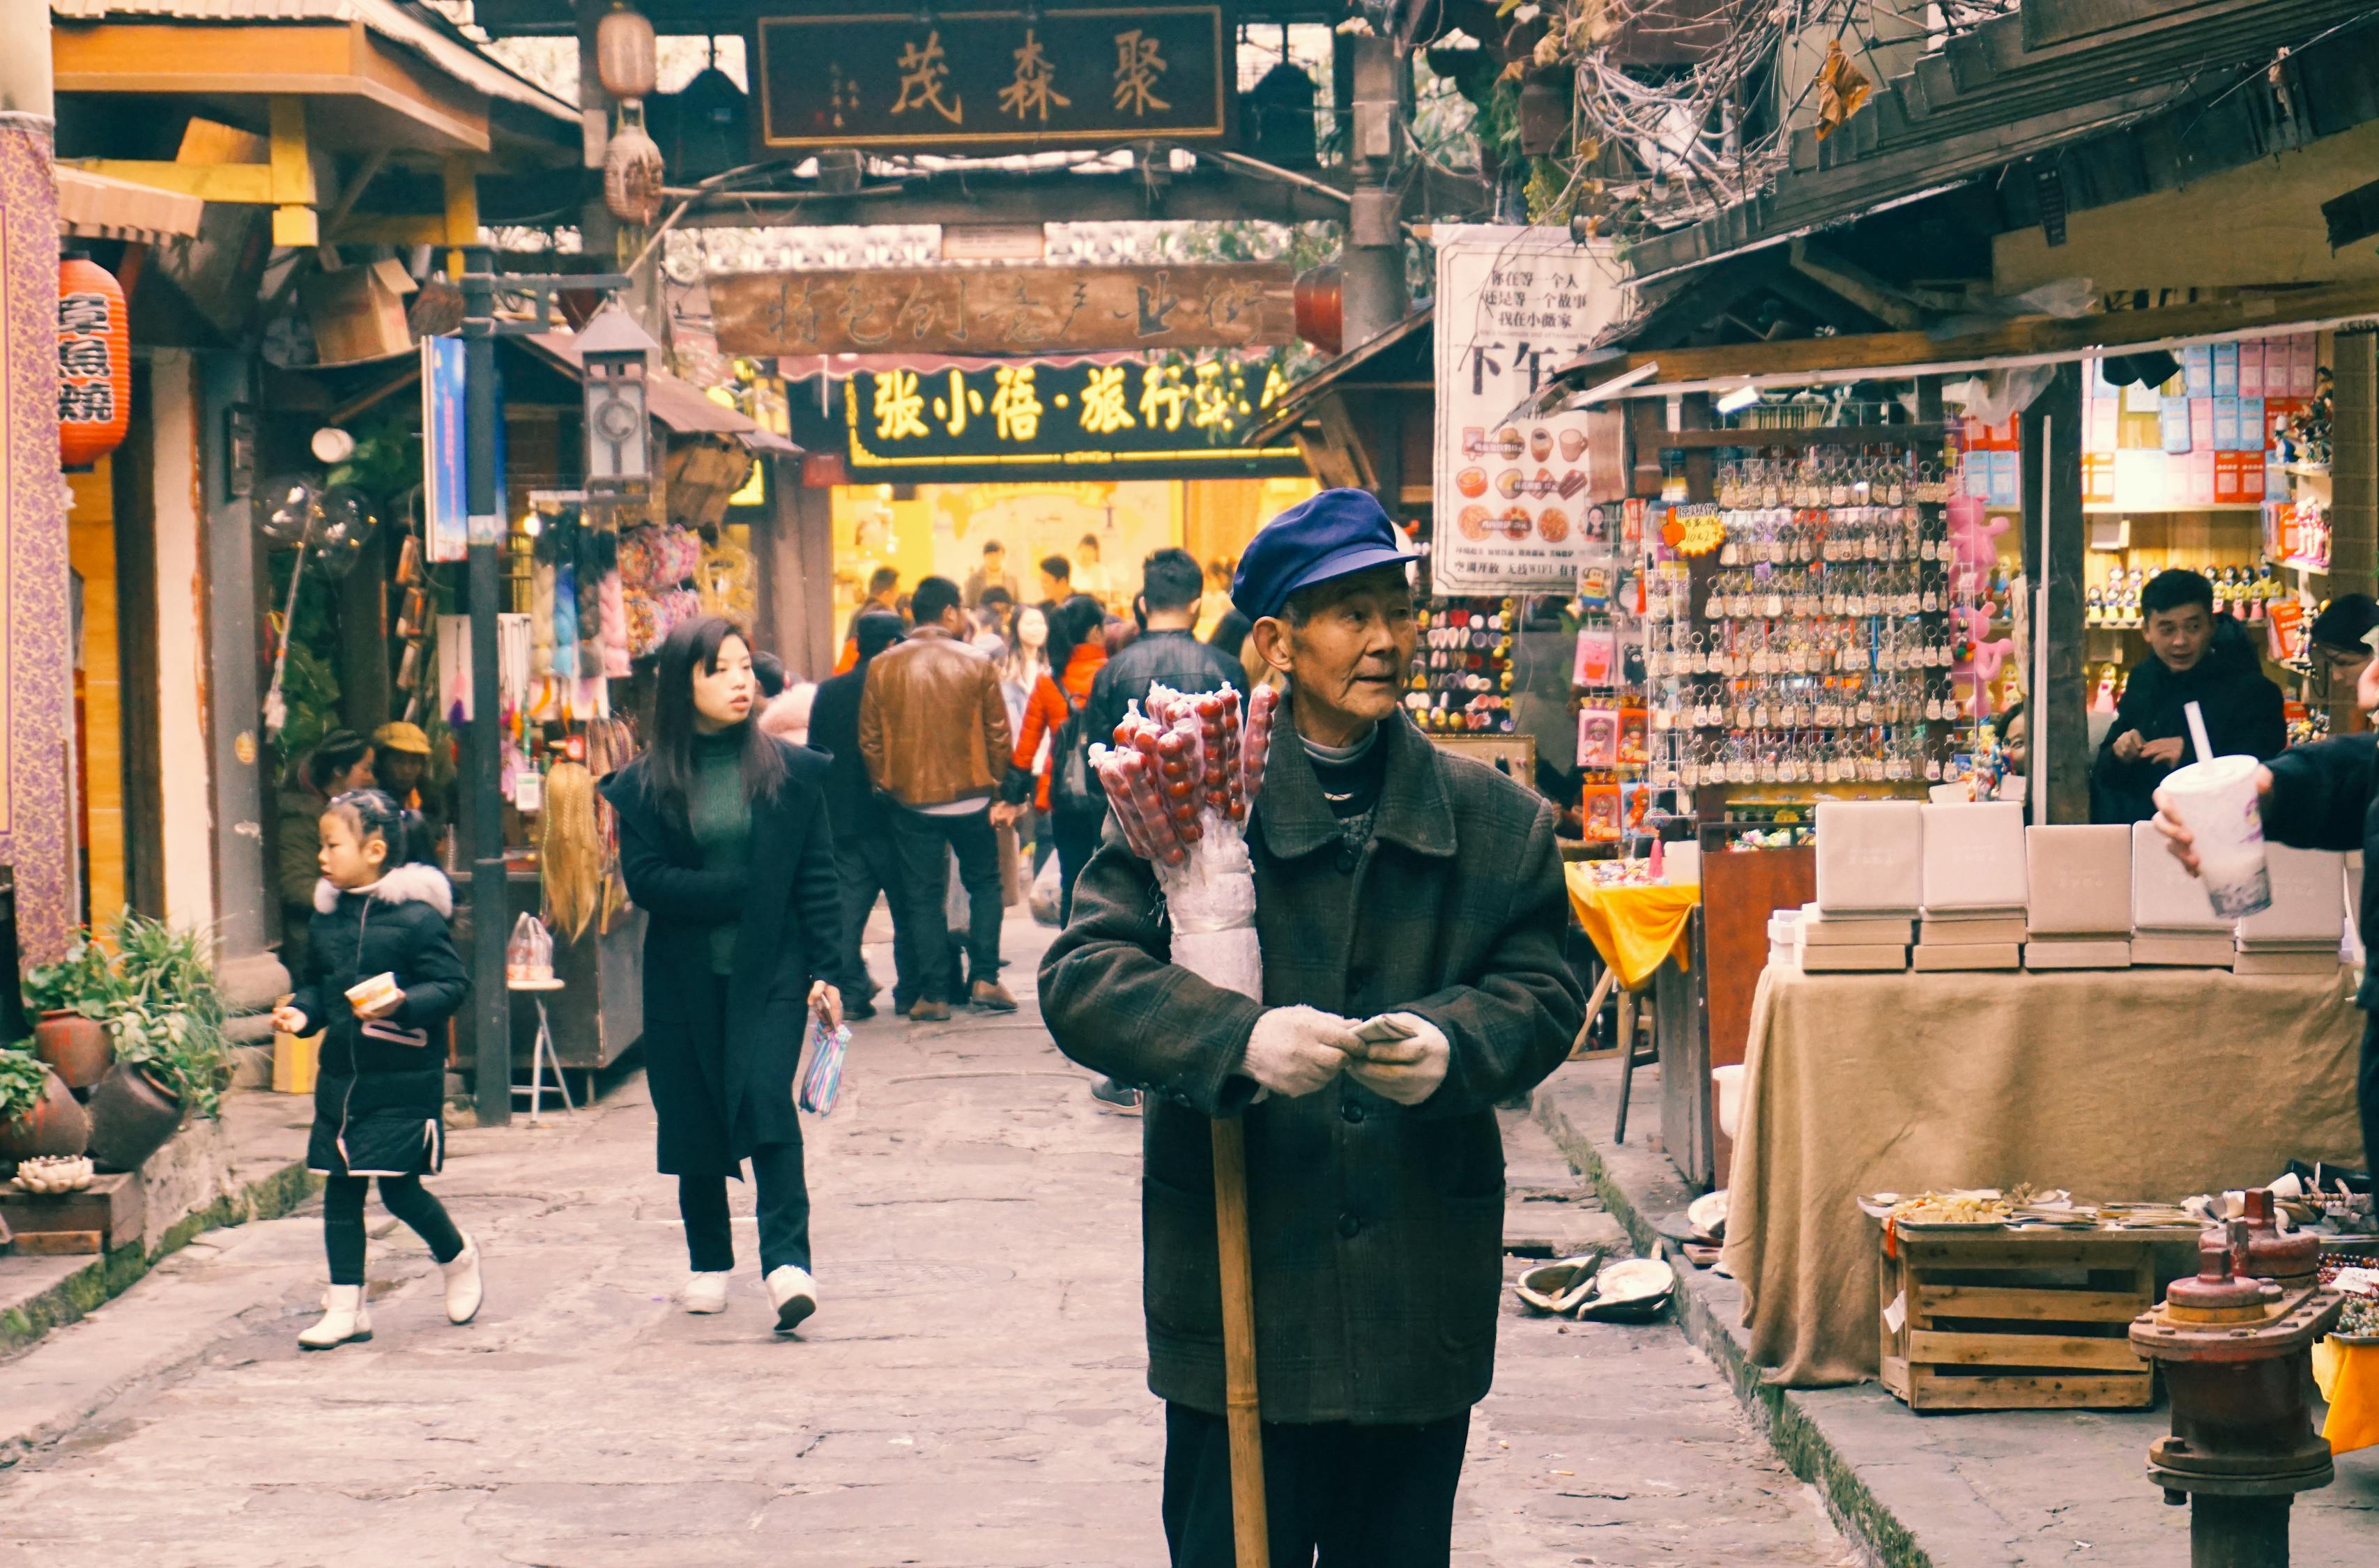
(794, 1293)
(706, 1291)
(345, 1317)
(464, 1289)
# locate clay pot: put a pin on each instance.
(56, 1125)
(80, 1048)
(131, 1116)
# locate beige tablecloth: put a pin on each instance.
(2146, 1083)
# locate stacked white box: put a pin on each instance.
(1870, 857)
(2300, 932)
(1974, 887)
(2079, 908)
(2173, 923)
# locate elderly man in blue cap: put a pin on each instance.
(1392, 878)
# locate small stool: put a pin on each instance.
(1631, 1056)
(544, 1051)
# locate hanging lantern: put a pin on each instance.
(615, 355)
(633, 172)
(94, 362)
(625, 59)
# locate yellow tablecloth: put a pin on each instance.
(2146, 1083)
(1633, 928)
(2348, 1376)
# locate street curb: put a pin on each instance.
(1635, 1184)
(87, 1289)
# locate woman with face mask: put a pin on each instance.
(724, 844)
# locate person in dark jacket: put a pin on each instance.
(724, 843)
(865, 864)
(1390, 877)
(2197, 657)
(380, 916)
(1167, 652)
(2325, 796)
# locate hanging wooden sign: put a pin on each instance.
(994, 79)
(960, 310)
(94, 362)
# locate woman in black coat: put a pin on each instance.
(724, 844)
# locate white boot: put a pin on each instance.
(464, 1289)
(345, 1317)
(706, 1291)
(794, 1293)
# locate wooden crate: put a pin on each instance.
(1998, 1319)
(103, 1216)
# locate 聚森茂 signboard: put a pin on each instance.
(1522, 501)
(1028, 421)
(994, 80)
(985, 310)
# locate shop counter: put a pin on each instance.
(2149, 1084)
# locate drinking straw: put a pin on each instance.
(2197, 731)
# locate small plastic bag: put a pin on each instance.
(529, 956)
(822, 1080)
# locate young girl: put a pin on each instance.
(382, 1080)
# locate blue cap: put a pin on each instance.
(1334, 533)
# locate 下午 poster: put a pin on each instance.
(1522, 501)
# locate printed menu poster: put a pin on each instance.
(1522, 501)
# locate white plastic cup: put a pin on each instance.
(2216, 800)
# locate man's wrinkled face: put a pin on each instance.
(2180, 636)
(1348, 660)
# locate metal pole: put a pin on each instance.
(490, 901)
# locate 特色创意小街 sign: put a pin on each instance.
(995, 310)
(982, 80)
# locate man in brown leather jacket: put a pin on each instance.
(933, 729)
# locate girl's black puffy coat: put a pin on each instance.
(377, 1105)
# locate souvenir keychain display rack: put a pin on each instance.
(1809, 643)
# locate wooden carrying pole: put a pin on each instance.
(1249, 1530)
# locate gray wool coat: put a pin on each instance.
(1377, 1228)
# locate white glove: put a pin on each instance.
(1406, 1071)
(1294, 1051)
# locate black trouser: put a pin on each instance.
(1077, 832)
(920, 842)
(784, 1212)
(1337, 1495)
(2366, 1094)
(343, 1221)
(865, 865)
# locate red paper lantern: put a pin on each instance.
(94, 362)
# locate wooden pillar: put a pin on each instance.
(294, 194)
(461, 211)
(796, 558)
(135, 597)
(2056, 536)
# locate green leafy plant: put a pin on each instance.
(170, 1015)
(81, 982)
(24, 1078)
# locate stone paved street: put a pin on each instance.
(972, 1395)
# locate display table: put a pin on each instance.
(1635, 929)
(2146, 1083)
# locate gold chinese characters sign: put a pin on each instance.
(959, 310)
(1169, 417)
(984, 80)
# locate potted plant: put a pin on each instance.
(38, 1113)
(169, 1042)
(73, 999)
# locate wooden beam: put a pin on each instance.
(1855, 284)
(392, 228)
(2028, 336)
(242, 183)
(293, 176)
(2057, 535)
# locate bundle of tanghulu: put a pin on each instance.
(1181, 776)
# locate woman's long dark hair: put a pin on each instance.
(1071, 624)
(669, 762)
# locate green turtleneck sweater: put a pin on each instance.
(720, 820)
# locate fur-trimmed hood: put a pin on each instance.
(418, 883)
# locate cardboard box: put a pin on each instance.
(1973, 856)
(2081, 880)
(358, 312)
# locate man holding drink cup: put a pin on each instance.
(2324, 796)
